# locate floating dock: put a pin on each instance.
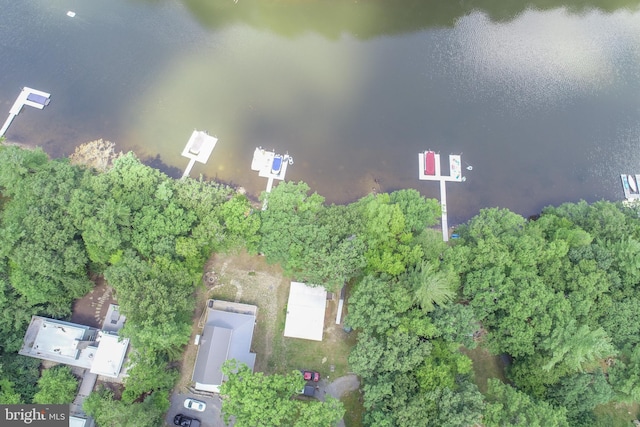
(198, 149)
(264, 162)
(270, 165)
(429, 163)
(28, 96)
(630, 186)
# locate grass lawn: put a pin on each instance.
(353, 408)
(616, 414)
(329, 356)
(485, 366)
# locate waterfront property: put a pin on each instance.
(227, 334)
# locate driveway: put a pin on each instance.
(209, 418)
(337, 389)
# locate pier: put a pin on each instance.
(270, 165)
(429, 163)
(198, 149)
(630, 186)
(28, 96)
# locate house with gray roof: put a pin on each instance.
(227, 334)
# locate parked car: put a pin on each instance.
(185, 421)
(308, 390)
(311, 376)
(196, 405)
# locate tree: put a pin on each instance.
(377, 306)
(579, 394)
(57, 385)
(155, 299)
(109, 412)
(508, 407)
(455, 323)
(432, 287)
(624, 376)
(255, 399)
(391, 247)
(462, 406)
(148, 372)
(419, 212)
(575, 345)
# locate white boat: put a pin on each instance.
(632, 183)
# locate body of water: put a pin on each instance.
(543, 103)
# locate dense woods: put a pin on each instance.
(555, 294)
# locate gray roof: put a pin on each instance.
(226, 335)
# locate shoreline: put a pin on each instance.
(254, 199)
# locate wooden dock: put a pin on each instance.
(28, 96)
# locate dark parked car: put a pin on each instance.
(185, 421)
(308, 390)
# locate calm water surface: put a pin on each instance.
(544, 104)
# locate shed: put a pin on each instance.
(305, 312)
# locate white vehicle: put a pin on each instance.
(195, 405)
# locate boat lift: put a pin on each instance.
(429, 163)
(270, 165)
(28, 96)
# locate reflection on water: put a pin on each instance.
(365, 19)
(544, 105)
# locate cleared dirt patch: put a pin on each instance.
(91, 309)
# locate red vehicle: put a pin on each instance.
(429, 163)
(311, 376)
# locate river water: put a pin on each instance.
(543, 100)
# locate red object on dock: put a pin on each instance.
(429, 163)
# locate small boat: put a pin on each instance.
(276, 166)
(632, 184)
(429, 163)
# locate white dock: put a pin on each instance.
(455, 170)
(628, 186)
(198, 149)
(263, 163)
(28, 96)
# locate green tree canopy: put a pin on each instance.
(255, 399)
(57, 385)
